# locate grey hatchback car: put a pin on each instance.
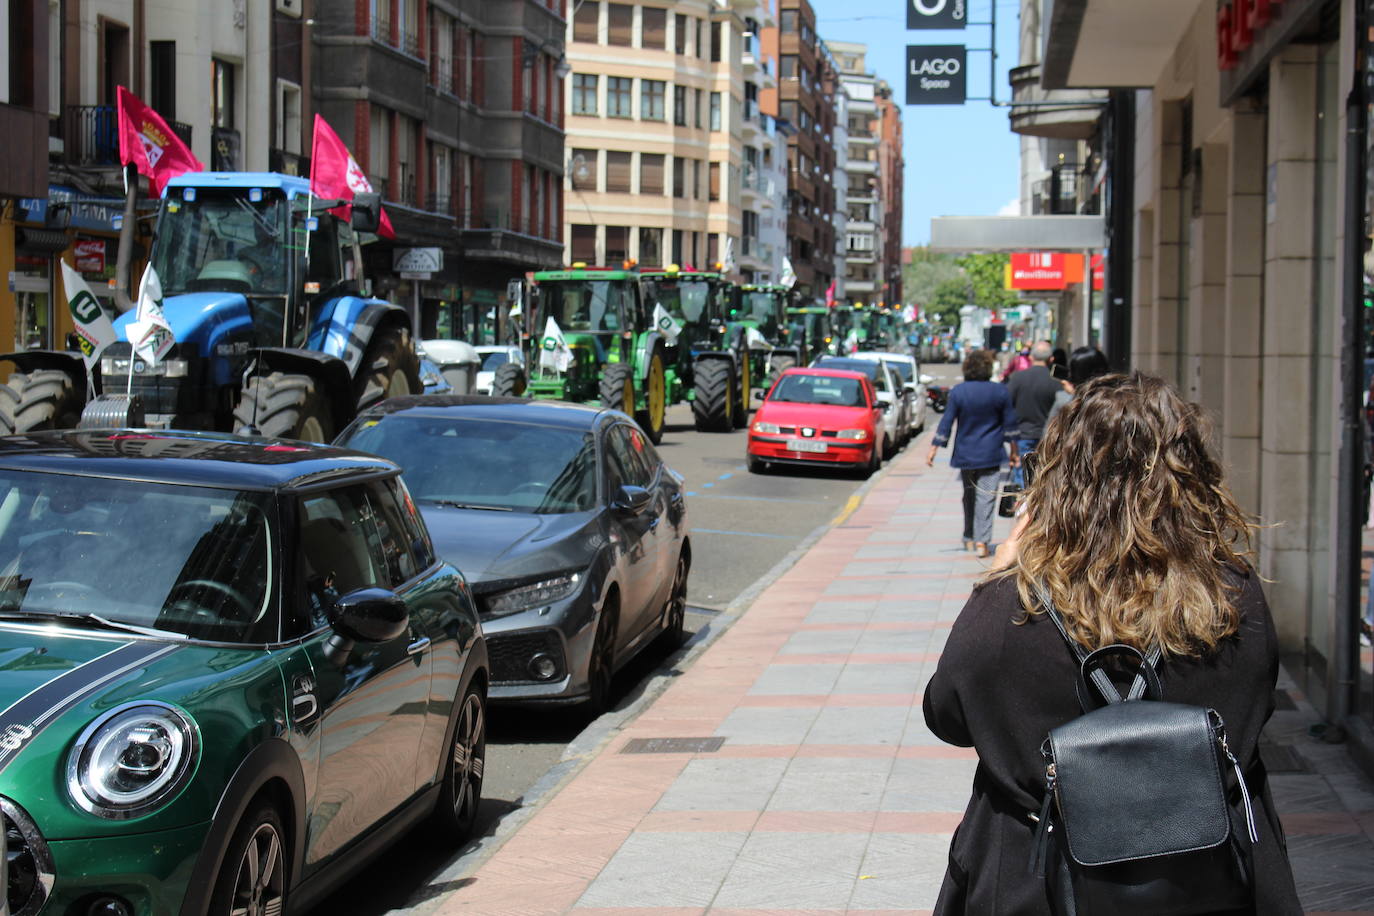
(568, 526)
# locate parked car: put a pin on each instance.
(233, 669)
(887, 383)
(818, 417)
(570, 528)
(912, 380)
(493, 358)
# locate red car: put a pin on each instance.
(818, 417)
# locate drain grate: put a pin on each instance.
(1281, 758)
(672, 745)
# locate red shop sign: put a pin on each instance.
(1238, 21)
(89, 255)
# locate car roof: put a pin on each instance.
(825, 372)
(874, 355)
(476, 406)
(868, 367)
(172, 456)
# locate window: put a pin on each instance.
(440, 178)
(417, 535)
(618, 89)
(584, 93)
(679, 34)
(751, 226)
(586, 163)
(651, 94)
(650, 173)
(341, 547)
(617, 244)
(787, 111)
(696, 179)
(679, 177)
(713, 181)
(650, 246)
(441, 49)
(653, 28)
(712, 248)
(620, 24)
(617, 171)
(583, 243)
(697, 107)
(406, 129)
(700, 46)
(715, 111)
(677, 247)
(162, 68)
(788, 20)
(631, 462)
(585, 21)
(787, 66)
(717, 41)
(221, 93)
(680, 106)
(288, 132)
(379, 148)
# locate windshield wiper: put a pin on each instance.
(107, 623)
(454, 504)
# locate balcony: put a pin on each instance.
(1076, 120)
(1062, 191)
(90, 135)
(407, 41)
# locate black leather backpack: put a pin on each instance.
(1135, 818)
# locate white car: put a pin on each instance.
(910, 371)
(493, 358)
(887, 384)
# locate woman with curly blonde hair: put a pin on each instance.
(1132, 532)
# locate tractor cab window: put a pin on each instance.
(219, 239)
(762, 307)
(685, 300)
(586, 305)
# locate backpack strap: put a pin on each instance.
(1146, 679)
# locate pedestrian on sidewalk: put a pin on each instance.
(986, 423)
(1085, 364)
(1032, 393)
(1135, 535)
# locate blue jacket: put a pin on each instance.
(986, 421)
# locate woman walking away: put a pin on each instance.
(982, 409)
(1086, 364)
(1135, 539)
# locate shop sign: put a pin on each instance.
(418, 260)
(1099, 269)
(936, 74)
(1043, 270)
(89, 255)
(80, 212)
(936, 14)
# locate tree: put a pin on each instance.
(986, 274)
(934, 282)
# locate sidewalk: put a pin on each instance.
(809, 782)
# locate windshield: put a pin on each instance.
(191, 560)
(585, 305)
(820, 389)
(492, 361)
(222, 241)
(763, 308)
(685, 300)
(487, 464)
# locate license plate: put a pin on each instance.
(805, 445)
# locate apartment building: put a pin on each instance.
(839, 216)
(891, 172)
(763, 181)
(663, 104)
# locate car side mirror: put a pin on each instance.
(631, 500)
(885, 398)
(370, 615)
(367, 211)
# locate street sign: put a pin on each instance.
(936, 14)
(936, 74)
(417, 260)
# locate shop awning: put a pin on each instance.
(42, 243)
(1017, 233)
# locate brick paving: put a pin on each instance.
(828, 793)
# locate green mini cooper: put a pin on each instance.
(230, 670)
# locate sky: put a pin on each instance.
(960, 160)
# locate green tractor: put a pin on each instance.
(880, 329)
(811, 331)
(763, 311)
(601, 335)
(707, 357)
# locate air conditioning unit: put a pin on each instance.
(290, 7)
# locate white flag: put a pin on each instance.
(666, 324)
(94, 332)
(554, 352)
(755, 340)
(729, 254)
(789, 276)
(149, 332)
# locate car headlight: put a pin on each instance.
(132, 760)
(860, 434)
(766, 428)
(525, 597)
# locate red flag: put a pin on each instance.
(146, 141)
(335, 173)
(830, 295)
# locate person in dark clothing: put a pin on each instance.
(1133, 532)
(1032, 393)
(983, 412)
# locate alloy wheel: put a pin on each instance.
(469, 759)
(259, 887)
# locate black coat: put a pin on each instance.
(1000, 688)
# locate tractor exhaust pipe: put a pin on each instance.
(122, 300)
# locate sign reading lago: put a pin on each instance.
(935, 74)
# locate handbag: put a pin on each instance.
(1135, 817)
(1008, 494)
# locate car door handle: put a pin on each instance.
(418, 646)
(304, 707)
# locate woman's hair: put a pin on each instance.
(1130, 525)
(978, 366)
(1086, 363)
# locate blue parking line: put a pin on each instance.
(725, 476)
(745, 534)
(705, 485)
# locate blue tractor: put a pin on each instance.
(263, 290)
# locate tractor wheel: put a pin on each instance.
(389, 369)
(744, 392)
(777, 365)
(509, 381)
(45, 399)
(282, 406)
(713, 403)
(651, 418)
(618, 388)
